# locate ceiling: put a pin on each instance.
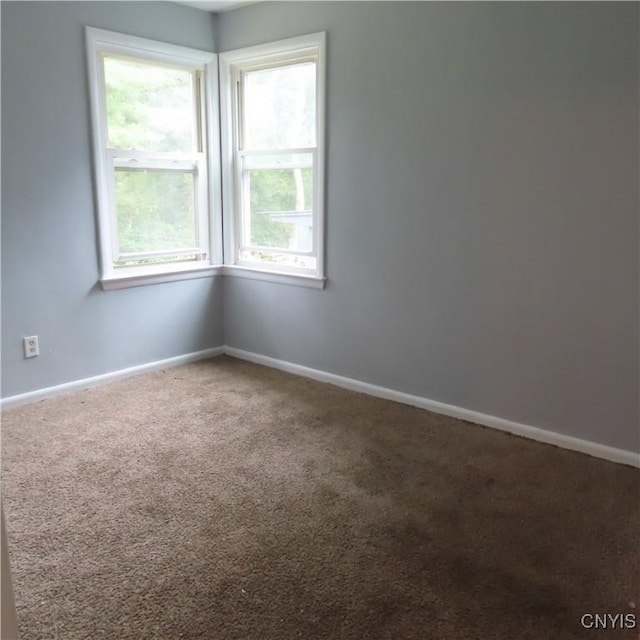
(216, 5)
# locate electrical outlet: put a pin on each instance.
(31, 348)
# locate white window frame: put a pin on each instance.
(232, 64)
(205, 162)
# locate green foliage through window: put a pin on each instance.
(276, 191)
(155, 210)
(149, 107)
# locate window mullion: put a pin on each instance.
(315, 209)
(245, 207)
(160, 254)
(276, 251)
(276, 152)
(154, 156)
(201, 209)
(112, 206)
(240, 107)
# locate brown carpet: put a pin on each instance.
(225, 500)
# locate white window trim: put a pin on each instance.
(102, 41)
(170, 273)
(298, 280)
(269, 53)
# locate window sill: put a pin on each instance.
(295, 279)
(140, 278)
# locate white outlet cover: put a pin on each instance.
(31, 347)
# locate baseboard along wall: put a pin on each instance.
(526, 431)
(594, 449)
(94, 381)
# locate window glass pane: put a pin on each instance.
(280, 107)
(149, 107)
(280, 212)
(155, 210)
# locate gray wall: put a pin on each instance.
(482, 202)
(49, 259)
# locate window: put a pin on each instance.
(272, 105)
(158, 161)
(152, 121)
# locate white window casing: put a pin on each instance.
(302, 264)
(202, 163)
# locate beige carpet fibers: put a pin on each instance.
(226, 500)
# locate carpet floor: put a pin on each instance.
(225, 500)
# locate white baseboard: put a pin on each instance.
(526, 431)
(94, 381)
